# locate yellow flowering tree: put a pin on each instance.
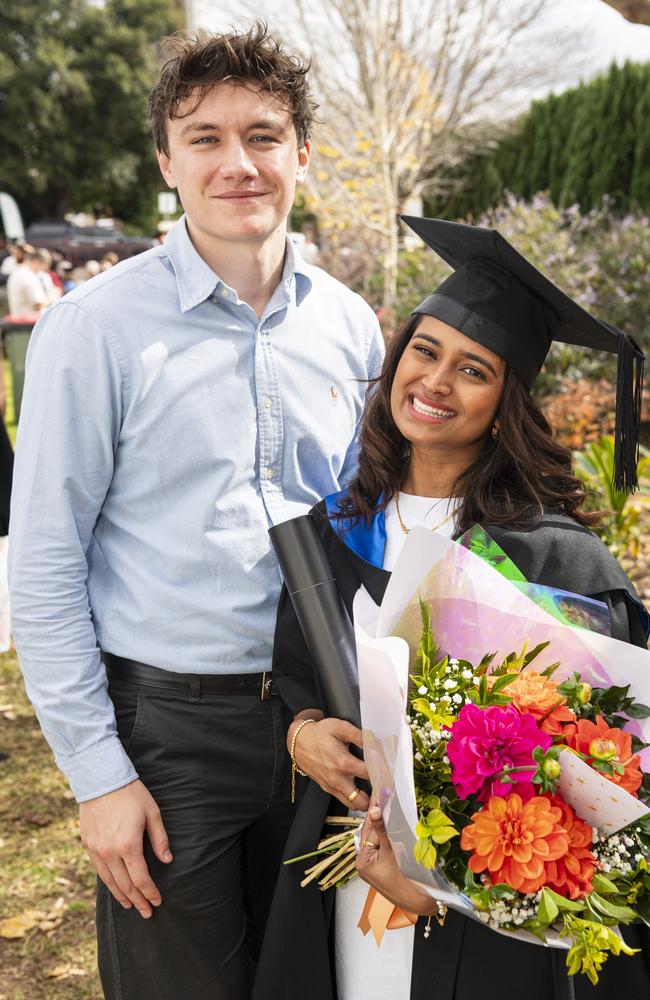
(405, 89)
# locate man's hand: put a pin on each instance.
(321, 751)
(112, 831)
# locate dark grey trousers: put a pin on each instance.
(218, 768)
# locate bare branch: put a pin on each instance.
(409, 88)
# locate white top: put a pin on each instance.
(429, 512)
(24, 291)
(364, 971)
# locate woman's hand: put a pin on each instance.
(321, 751)
(377, 865)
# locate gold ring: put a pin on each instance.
(369, 843)
(352, 796)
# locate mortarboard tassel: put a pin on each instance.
(629, 388)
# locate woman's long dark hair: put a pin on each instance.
(515, 478)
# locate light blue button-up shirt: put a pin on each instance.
(164, 427)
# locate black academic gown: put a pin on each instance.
(462, 960)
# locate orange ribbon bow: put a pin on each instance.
(380, 915)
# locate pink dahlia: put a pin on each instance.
(484, 741)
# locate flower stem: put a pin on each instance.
(513, 770)
(550, 711)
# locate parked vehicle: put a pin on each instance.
(79, 244)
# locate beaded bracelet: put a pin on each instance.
(292, 753)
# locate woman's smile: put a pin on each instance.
(433, 413)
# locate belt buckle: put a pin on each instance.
(265, 692)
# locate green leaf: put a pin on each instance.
(425, 853)
(548, 909)
(638, 711)
(621, 914)
(572, 905)
(470, 882)
(502, 682)
(439, 827)
(642, 907)
(534, 653)
(603, 885)
(637, 744)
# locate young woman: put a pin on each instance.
(451, 437)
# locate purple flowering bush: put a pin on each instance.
(597, 258)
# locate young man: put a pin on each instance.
(174, 408)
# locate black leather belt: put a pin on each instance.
(192, 684)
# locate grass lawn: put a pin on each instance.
(44, 868)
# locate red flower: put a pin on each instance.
(598, 741)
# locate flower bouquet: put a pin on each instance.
(496, 753)
(511, 783)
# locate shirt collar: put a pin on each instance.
(197, 281)
(296, 273)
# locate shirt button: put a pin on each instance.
(269, 473)
(225, 293)
(268, 403)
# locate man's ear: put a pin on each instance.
(304, 156)
(165, 164)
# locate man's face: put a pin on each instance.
(235, 161)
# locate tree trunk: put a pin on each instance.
(391, 264)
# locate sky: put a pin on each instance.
(606, 34)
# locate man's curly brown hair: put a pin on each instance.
(255, 58)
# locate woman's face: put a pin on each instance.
(446, 389)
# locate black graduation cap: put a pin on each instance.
(497, 298)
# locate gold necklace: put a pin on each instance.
(435, 526)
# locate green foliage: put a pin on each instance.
(483, 894)
(595, 466)
(74, 76)
(489, 694)
(581, 145)
(514, 663)
(434, 828)
(592, 943)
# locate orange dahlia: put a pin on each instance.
(571, 874)
(514, 840)
(538, 696)
(598, 741)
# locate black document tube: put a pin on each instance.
(323, 617)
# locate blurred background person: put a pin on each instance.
(110, 259)
(15, 256)
(52, 288)
(25, 291)
(64, 271)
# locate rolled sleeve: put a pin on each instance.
(69, 427)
